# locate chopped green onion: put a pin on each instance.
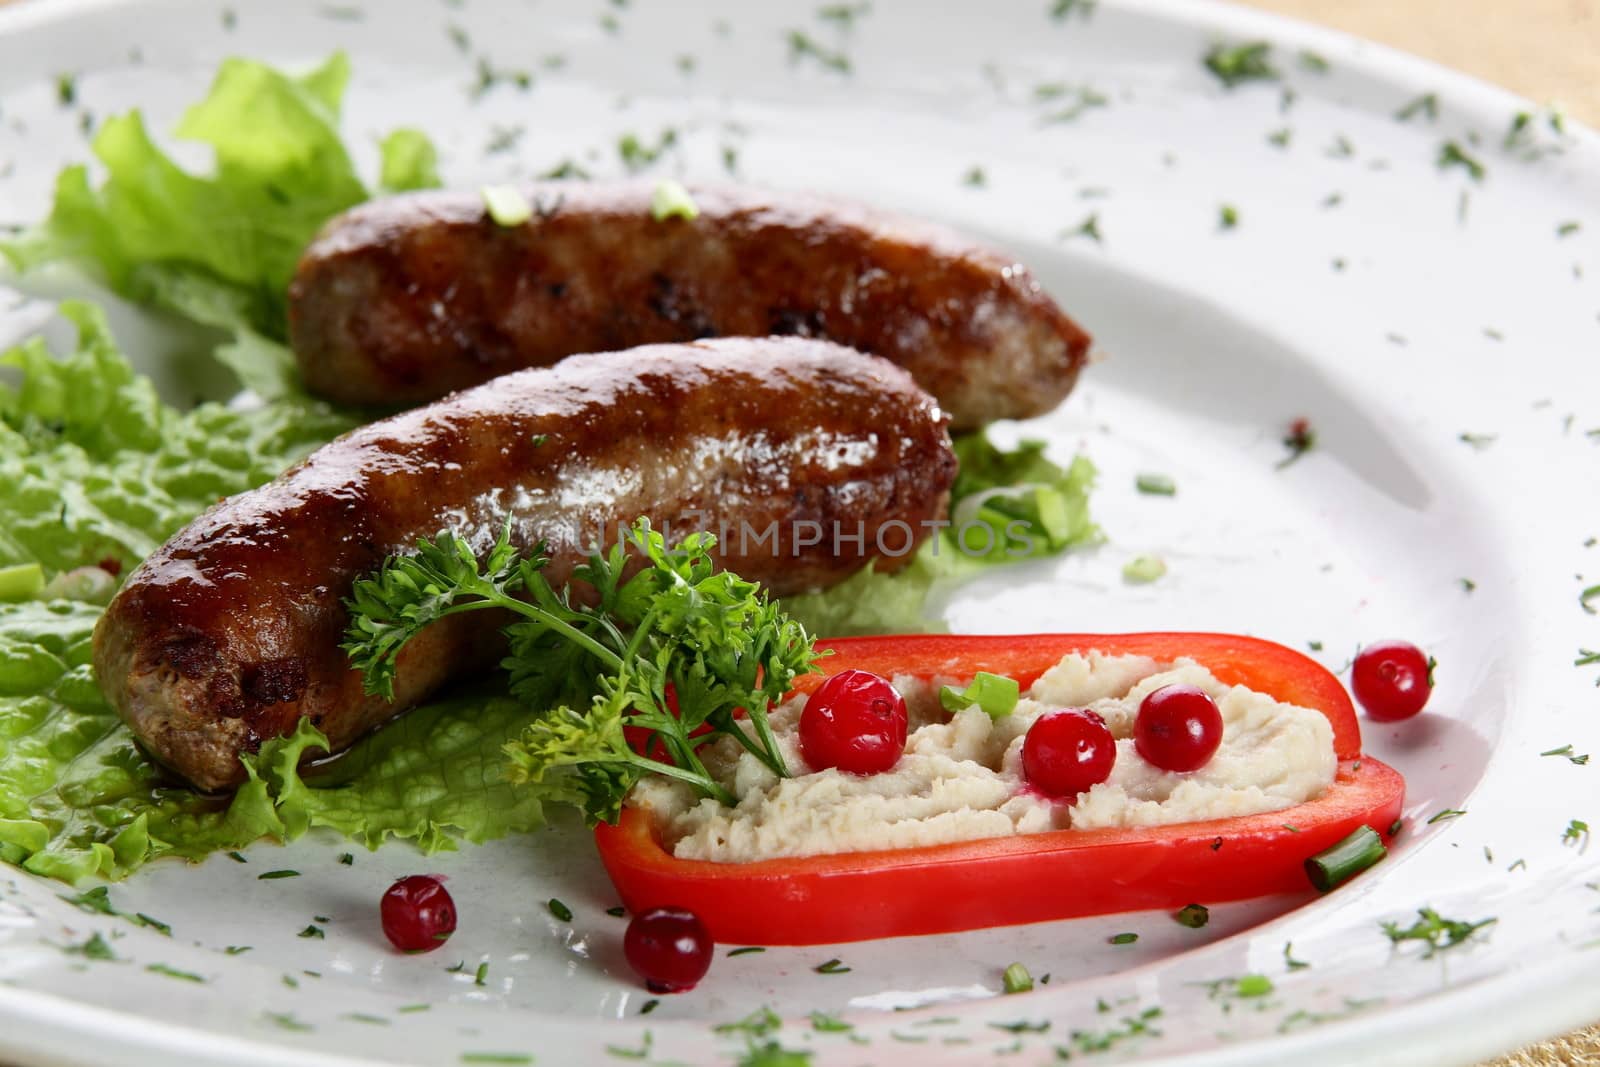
(833, 966)
(1194, 916)
(747, 950)
(270, 875)
(482, 977)
(1017, 979)
(1227, 217)
(1253, 985)
(672, 201)
(560, 910)
(1333, 866)
(1141, 570)
(1447, 813)
(1122, 939)
(313, 931)
(617, 912)
(22, 582)
(506, 205)
(994, 693)
(1155, 484)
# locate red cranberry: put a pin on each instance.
(1067, 752)
(418, 914)
(855, 721)
(1392, 679)
(669, 948)
(1178, 729)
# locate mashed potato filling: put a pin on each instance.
(961, 776)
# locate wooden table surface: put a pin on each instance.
(1546, 50)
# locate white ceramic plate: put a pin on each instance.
(1396, 304)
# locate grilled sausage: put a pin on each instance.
(230, 633)
(402, 300)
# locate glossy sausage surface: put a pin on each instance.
(402, 300)
(229, 633)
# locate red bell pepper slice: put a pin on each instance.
(1034, 877)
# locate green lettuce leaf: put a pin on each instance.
(219, 249)
(996, 488)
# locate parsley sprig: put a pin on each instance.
(678, 649)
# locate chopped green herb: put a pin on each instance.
(1427, 104)
(1480, 441)
(649, 1006)
(237, 857)
(272, 875)
(1227, 217)
(1452, 154)
(1468, 585)
(96, 901)
(1313, 62)
(1289, 960)
(1194, 916)
(412, 1009)
(1447, 813)
(1587, 595)
(482, 977)
(773, 1054)
(636, 155)
(759, 1023)
(1155, 484)
(236, 950)
(285, 1021)
(1519, 864)
(1280, 138)
(1081, 99)
(975, 178)
(1090, 1042)
(1122, 939)
(1341, 148)
(1567, 229)
(564, 170)
(1300, 439)
(1016, 979)
(96, 948)
(1236, 64)
(1089, 227)
(994, 693)
(506, 205)
(1335, 865)
(1577, 830)
(832, 966)
(829, 1024)
(1141, 570)
(671, 200)
(617, 912)
(843, 14)
(291, 981)
(560, 910)
(155, 924)
(745, 951)
(348, 859)
(1435, 930)
(642, 1052)
(1061, 9)
(66, 90)
(314, 931)
(1566, 750)
(1315, 646)
(173, 972)
(1022, 1026)
(803, 46)
(363, 1017)
(496, 1057)
(457, 969)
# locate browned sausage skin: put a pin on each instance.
(229, 633)
(400, 301)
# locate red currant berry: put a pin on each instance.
(1067, 752)
(669, 948)
(418, 914)
(855, 721)
(1178, 729)
(1392, 679)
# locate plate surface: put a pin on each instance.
(1438, 331)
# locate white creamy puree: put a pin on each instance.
(961, 776)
